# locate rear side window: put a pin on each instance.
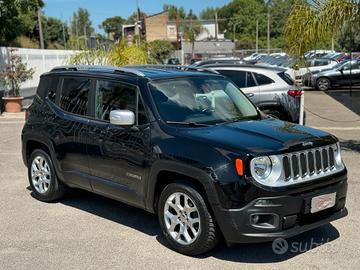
(52, 88)
(75, 95)
(238, 77)
(262, 79)
(43, 85)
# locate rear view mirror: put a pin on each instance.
(122, 118)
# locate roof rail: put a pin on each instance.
(98, 68)
(176, 67)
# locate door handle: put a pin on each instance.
(250, 94)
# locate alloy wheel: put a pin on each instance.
(182, 219)
(40, 174)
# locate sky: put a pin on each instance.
(101, 9)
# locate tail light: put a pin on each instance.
(295, 93)
(27, 114)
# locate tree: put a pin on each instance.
(312, 22)
(160, 50)
(241, 17)
(14, 73)
(55, 33)
(191, 15)
(174, 11)
(17, 18)
(81, 25)
(113, 26)
(208, 13)
(191, 31)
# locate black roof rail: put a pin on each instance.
(98, 68)
(175, 67)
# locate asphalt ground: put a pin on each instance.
(87, 231)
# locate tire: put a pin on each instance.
(43, 181)
(323, 84)
(208, 234)
(276, 114)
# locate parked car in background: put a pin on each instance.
(229, 60)
(271, 89)
(343, 75)
(173, 61)
(314, 65)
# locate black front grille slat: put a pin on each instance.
(318, 160)
(295, 165)
(287, 169)
(325, 159)
(311, 163)
(303, 165)
(331, 157)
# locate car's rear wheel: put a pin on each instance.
(186, 221)
(323, 84)
(42, 177)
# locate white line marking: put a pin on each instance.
(12, 122)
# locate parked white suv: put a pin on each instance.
(270, 88)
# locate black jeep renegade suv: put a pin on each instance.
(188, 146)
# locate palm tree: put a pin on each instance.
(191, 31)
(311, 22)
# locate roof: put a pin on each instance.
(221, 65)
(152, 72)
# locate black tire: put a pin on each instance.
(56, 189)
(323, 84)
(209, 234)
(275, 113)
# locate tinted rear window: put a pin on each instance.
(75, 95)
(286, 77)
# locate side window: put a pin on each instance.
(75, 95)
(250, 80)
(238, 77)
(114, 95)
(262, 79)
(52, 88)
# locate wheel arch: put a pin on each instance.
(166, 172)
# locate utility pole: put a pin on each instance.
(77, 32)
(138, 22)
(216, 25)
(177, 31)
(85, 37)
(268, 31)
(40, 30)
(257, 36)
(64, 38)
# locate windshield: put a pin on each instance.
(201, 101)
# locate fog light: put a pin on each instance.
(265, 221)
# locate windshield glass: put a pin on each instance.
(201, 100)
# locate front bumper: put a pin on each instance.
(291, 212)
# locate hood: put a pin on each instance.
(265, 136)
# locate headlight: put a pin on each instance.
(262, 167)
(266, 169)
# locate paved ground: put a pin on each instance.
(86, 231)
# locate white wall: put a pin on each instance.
(40, 60)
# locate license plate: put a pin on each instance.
(323, 202)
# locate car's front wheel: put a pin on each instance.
(42, 177)
(186, 221)
(323, 84)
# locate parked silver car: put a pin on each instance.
(270, 88)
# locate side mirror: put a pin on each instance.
(122, 118)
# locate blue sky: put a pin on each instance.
(102, 9)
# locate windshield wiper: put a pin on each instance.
(190, 124)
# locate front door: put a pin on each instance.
(118, 155)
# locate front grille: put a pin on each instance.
(311, 163)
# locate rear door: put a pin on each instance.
(245, 81)
(268, 90)
(70, 128)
